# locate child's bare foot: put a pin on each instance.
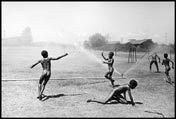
(39, 97)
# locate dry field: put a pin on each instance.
(77, 78)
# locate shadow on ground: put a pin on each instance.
(46, 97)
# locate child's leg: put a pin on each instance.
(156, 64)
(111, 79)
(121, 99)
(40, 84)
(107, 75)
(101, 102)
(151, 65)
(44, 84)
(167, 74)
(109, 98)
(39, 89)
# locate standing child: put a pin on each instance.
(46, 65)
(110, 62)
(154, 57)
(116, 94)
(166, 62)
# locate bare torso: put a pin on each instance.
(166, 62)
(121, 89)
(110, 66)
(154, 57)
(46, 65)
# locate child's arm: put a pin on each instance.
(108, 62)
(158, 58)
(59, 57)
(131, 98)
(104, 56)
(172, 64)
(35, 64)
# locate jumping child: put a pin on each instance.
(110, 62)
(116, 94)
(46, 65)
(166, 62)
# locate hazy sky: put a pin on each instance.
(69, 21)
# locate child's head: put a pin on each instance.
(165, 55)
(133, 83)
(44, 53)
(111, 54)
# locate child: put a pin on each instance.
(116, 94)
(166, 62)
(110, 62)
(46, 65)
(154, 57)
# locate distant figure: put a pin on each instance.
(110, 62)
(154, 57)
(46, 65)
(166, 62)
(116, 94)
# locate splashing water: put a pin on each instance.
(135, 65)
(152, 50)
(93, 57)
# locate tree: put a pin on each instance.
(95, 41)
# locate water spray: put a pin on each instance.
(93, 57)
(122, 75)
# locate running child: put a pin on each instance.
(166, 62)
(46, 65)
(116, 94)
(110, 62)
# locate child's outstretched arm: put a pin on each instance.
(104, 56)
(131, 98)
(59, 57)
(35, 64)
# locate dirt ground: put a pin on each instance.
(67, 95)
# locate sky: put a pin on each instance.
(67, 22)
